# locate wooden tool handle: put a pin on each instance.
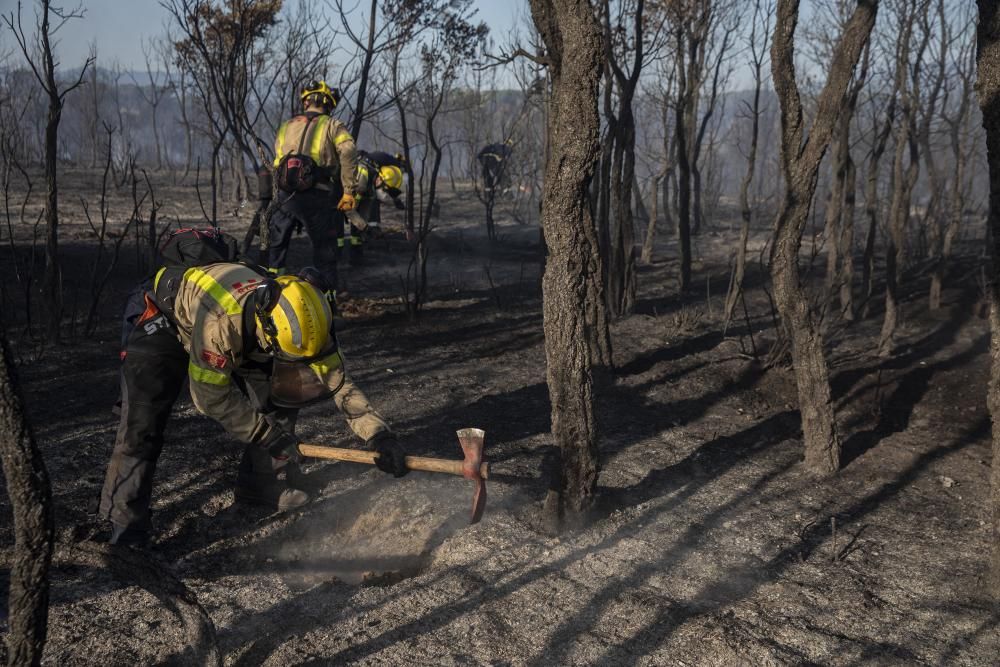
(412, 462)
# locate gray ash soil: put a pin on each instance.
(708, 546)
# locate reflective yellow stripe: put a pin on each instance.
(342, 137)
(156, 279)
(280, 143)
(327, 364)
(207, 376)
(355, 240)
(319, 134)
(214, 290)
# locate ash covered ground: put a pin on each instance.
(709, 544)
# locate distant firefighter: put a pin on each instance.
(380, 180)
(315, 165)
(494, 159)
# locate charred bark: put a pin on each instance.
(903, 179)
(988, 86)
(958, 135)
(573, 44)
(681, 121)
(366, 66)
(839, 219)
(31, 501)
(761, 15)
(800, 159)
(872, 204)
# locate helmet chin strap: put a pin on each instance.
(266, 342)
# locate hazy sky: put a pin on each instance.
(120, 26)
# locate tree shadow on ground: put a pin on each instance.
(988, 626)
(688, 346)
(733, 585)
(911, 387)
(941, 336)
(739, 582)
(726, 452)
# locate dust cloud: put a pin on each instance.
(377, 534)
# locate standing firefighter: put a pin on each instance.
(380, 180)
(254, 349)
(493, 159)
(315, 165)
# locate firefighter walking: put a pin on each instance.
(315, 167)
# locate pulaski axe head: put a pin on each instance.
(473, 468)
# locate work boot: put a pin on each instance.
(130, 537)
(269, 491)
(287, 499)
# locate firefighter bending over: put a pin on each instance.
(380, 181)
(493, 159)
(254, 349)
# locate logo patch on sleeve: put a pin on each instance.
(214, 359)
(243, 287)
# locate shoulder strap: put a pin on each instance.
(166, 285)
(368, 161)
(249, 333)
(305, 133)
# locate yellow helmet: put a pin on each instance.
(392, 176)
(298, 321)
(319, 87)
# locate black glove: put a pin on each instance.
(398, 203)
(283, 445)
(391, 457)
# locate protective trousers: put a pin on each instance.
(315, 210)
(352, 237)
(153, 372)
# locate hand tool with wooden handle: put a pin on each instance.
(471, 467)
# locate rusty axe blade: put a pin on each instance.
(471, 440)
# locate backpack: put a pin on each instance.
(197, 247)
(297, 171)
(187, 248)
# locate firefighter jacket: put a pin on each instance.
(368, 168)
(328, 143)
(207, 308)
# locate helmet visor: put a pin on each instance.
(296, 384)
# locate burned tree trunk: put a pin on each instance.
(800, 161)
(681, 119)
(621, 265)
(761, 22)
(31, 500)
(52, 278)
(958, 124)
(572, 39)
(988, 85)
(840, 217)
(38, 52)
(664, 175)
(904, 179)
(872, 207)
